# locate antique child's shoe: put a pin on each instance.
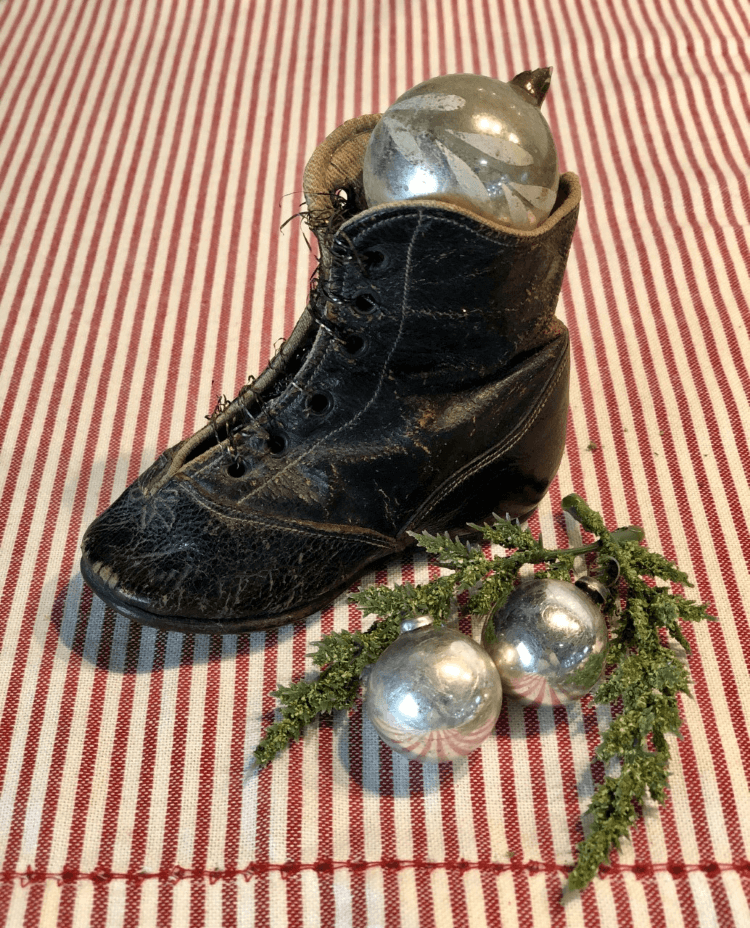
(424, 386)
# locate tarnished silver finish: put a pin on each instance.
(434, 694)
(468, 139)
(548, 642)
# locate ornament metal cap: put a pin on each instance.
(534, 83)
(412, 622)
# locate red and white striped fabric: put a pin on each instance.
(149, 152)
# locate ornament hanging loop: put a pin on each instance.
(612, 580)
(594, 589)
(597, 589)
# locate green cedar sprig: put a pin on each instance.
(644, 673)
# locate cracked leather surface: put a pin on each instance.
(423, 389)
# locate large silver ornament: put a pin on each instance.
(434, 694)
(471, 140)
(548, 642)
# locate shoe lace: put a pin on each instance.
(326, 226)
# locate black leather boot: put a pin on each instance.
(425, 386)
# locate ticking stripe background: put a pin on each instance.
(149, 153)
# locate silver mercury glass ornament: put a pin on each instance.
(548, 642)
(434, 694)
(471, 140)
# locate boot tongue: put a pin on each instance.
(336, 167)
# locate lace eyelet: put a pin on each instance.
(376, 259)
(355, 345)
(343, 199)
(276, 443)
(319, 404)
(237, 469)
(365, 303)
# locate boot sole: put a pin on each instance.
(189, 625)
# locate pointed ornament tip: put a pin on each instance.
(534, 84)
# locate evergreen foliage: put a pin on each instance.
(644, 674)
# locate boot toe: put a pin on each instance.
(180, 561)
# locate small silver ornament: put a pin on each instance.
(548, 642)
(468, 139)
(434, 694)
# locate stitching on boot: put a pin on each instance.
(373, 538)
